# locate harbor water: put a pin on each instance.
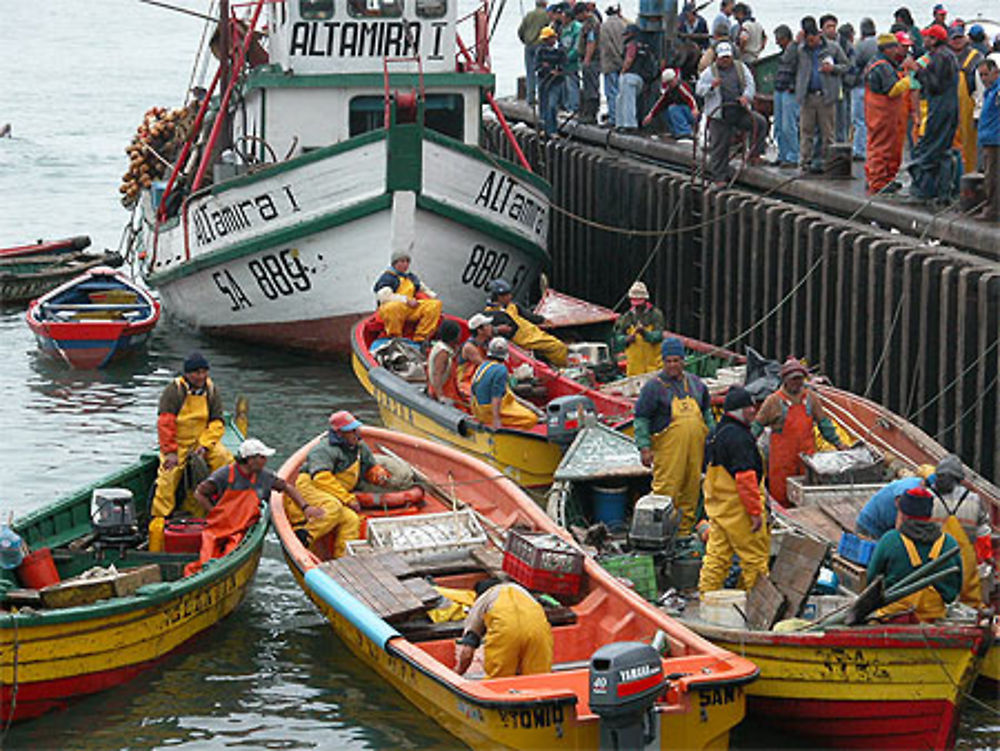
(77, 79)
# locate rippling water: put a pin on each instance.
(76, 79)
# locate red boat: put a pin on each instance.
(51, 248)
(97, 318)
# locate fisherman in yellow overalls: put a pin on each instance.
(968, 60)
(493, 403)
(402, 297)
(639, 333)
(518, 637)
(328, 477)
(189, 423)
(672, 417)
(916, 541)
(520, 325)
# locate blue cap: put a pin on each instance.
(672, 347)
(195, 361)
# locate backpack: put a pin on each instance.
(645, 64)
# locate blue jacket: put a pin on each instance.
(390, 278)
(879, 515)
(989, 117)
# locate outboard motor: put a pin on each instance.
(565, 415)
(112, 516)
(655, 521)
(625, 680)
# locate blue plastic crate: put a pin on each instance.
(853, 548)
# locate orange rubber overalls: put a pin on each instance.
(234, 513)
(793, 438)
(886, 118)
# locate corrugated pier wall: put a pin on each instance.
(913, 326)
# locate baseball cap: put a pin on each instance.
(254, 447)
(479, 319)
(343, 420)
(724, 49)
(935, 32)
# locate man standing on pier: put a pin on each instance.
(819, 65)
(550, 64)
(989, 138)
(611, 50)
(590, 63)
(528, 32)
(886, 89)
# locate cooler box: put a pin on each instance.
(543, 562)
(183, 536)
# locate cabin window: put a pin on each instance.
(443, 113)
(315, 10)
(431, 8)
(375, 8)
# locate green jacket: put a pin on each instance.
(569, 40)
(333, 455)
(890, 558)
(650, 318)
(531, 26)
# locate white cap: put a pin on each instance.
(668, 75)
(479, 319)
(498, 348)
(254, 447)
(638, 290)
(723, 49)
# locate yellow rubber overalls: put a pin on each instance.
(529, 336)
(641, 356)
(518, 636)
(965, 133)
(395, 314)
(678, 453)
(193, 430)
(729, 533)
(927, 604)
(972, 586)
(512, 414)
(330, 492)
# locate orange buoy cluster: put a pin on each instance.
(162, 131)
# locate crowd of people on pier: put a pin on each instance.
(927, 96)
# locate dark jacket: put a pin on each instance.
(830, 81)
(784, 77)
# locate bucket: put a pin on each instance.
(724, 607)
(183, 535)
(38, 570)
(609, 506)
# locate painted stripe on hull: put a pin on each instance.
(326, 336)
(862, 724)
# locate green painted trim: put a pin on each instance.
(350, 144)
(477, 152)
(272, 77)
(404, 164)
(281, 236)
(478, 223)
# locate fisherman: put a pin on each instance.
(734, 500)
(529, 33)
(331, 472)
(679, 107)
(518, 638)
(791, 412)
(672, 417)
(611, 50)
(886, 89)
(819, 67)
(403, 298)
(473, 352)
(878, 515)
(190, 427)
(639, 333)
(915, 541)
(550, 66)
(520, 326)
(442, 365)
(231, 498)
(493, 403)
(590, 62)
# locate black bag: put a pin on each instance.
(645, 65)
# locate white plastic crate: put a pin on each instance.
(424, 535)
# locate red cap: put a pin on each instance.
(903, 38)
(344, 420)
(935, 31)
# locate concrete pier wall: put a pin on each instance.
(913, 326)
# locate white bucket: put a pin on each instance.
(720, 607)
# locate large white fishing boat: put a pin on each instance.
(349, 129)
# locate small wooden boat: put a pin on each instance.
(375, 603)
(82, 636)
(25, 277)
(97, 318)
(50, 248)
(528, 456)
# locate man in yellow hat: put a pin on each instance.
(638, 333)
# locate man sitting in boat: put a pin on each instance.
(442, 365)
(231, 498)
(791, 412)
(402, 298)
(520, 325)
(493, 402)
(329, 476)
(639, 333)
(190, 424)
(473, 352)
(916, 541)
(518, 637)
(733, 497)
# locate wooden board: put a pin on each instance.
(490, 559)
(795, 569)
(766, 605)
(369, 578)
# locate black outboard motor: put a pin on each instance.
(625, 680)
(113, 518)
(565, 416)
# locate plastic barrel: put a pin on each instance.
(609, 506)
(724, 607)
(38, 570)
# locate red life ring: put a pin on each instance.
(395, 499)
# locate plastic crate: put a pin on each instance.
(420, 536)
(638, 569)
(543, 562)
(853, 548)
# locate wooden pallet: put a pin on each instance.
(385, 583)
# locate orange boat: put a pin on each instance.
(698, 692)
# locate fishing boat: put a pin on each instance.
(63, 636)
(93, 320)
(347, 132)
(25, 276)
(527, 456)
(47, 248)
(465, 518)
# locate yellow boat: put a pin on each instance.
(696, 692)
(77, 640)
